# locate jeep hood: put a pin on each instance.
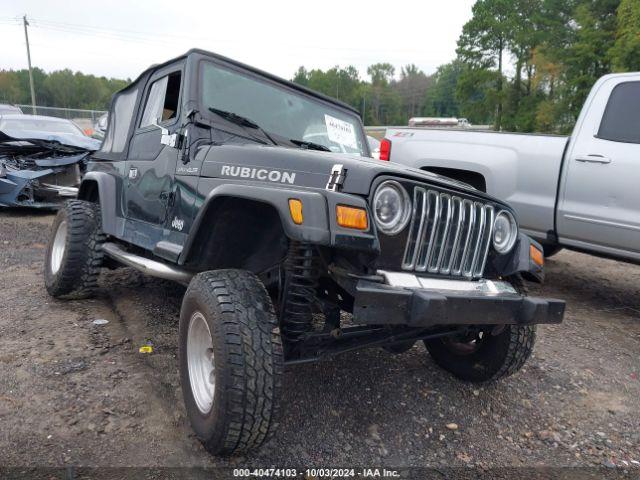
(309, 168)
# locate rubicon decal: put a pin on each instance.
(259, 174)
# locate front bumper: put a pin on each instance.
(405, 299)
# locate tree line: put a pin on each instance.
(61, 88)
(521, 65)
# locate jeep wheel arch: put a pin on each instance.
(237, 233)
(95, 187)
(242, 226)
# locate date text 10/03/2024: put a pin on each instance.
(316, 473)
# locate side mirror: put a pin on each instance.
(166, 139)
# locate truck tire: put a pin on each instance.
(489, 356)
(74, 254)
(231, 361)
(550, 249)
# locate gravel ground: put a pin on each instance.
(74, 393)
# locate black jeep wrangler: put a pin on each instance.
(261, 196)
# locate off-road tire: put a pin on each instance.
(498, 355)
(248, 360)
(78, 271)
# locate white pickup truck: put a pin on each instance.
(580, 192)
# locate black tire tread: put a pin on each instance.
(78, 274)
(254, 353)
(521, 341)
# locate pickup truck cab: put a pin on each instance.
(295, 245)
(580, 192)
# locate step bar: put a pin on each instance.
(146, 265)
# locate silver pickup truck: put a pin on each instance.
(580, 192)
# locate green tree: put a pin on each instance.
(482, 45)
(440, 99)
(411, 89)
(625, 53)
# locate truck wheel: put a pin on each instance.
(550, 250)
(231, 361)
(74, 254)
(487, 356)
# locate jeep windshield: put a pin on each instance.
(299, 119)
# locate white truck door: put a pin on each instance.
(599, 204)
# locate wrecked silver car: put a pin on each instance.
(42, 160)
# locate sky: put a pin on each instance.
(120, 39)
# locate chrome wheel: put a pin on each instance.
(59, 246)
(200, 361)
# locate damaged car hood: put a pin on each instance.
(40, 169)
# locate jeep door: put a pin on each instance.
(599, 205)
(151, 165)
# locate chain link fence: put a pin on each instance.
(85, 119)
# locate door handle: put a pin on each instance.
(593, 158)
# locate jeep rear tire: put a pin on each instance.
(231, 361)
(74, 254)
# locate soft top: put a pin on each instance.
(123, 103)
(244, 66)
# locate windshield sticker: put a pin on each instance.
(340, 132)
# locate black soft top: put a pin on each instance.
(122, 111)
(244, 66)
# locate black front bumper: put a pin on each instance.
(381, 304)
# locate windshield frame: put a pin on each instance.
(278, 83)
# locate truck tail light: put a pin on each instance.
(385, 149)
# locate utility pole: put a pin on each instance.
(33, 92)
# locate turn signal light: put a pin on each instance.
(536, 255)
(352, 217)
(385, 149)
(295, 209)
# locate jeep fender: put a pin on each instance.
(98, 186)
(319, 226)
(519, 260)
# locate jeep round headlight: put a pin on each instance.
(391, 207)
(505, 232)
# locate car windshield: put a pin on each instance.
(27, 124)
(280, 110)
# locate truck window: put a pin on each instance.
(621, 119)
(162, 100)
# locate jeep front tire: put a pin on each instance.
(489, 355)
(74, 253)
(231, 361)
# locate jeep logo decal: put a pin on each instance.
(259, 174)
(177, 224)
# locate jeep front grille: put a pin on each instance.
(448, 235)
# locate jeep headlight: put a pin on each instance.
(505, 232)
(391, 207)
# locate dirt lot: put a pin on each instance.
(72, 392)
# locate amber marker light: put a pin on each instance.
(352, 217)
(536, 255)
(295, 209)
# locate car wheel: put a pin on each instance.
(487, 355)
(231, 361)
(74, 254)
